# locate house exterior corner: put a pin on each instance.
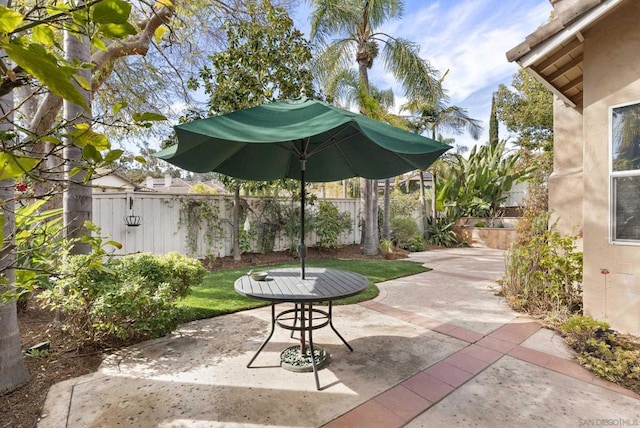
(592, 66)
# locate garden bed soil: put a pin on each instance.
(351, 252)
(21, 408)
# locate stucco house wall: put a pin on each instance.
(566, 187)
(588, 56)
(611, 77)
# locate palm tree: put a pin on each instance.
(436, 116)
(355, 23)
(344, 89)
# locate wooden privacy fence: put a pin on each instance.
(195, 225)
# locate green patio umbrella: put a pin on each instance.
(302, 139)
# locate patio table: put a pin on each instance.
(285, 286)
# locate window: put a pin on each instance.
(625, 173)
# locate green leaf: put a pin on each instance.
(44, 66)
(84, 83)
(159, 33)
(97, 43)
(111, 12)
(80, 17)
(7, 135)
(115, 244)
(12, 166)
(26, 212)
(147, 117)
(113, 155)
(91, 227)
(140, 159)
(9, 20)
(117, 31)
(75, 171)
(43, 34)
(90, 153)
(24, 276)
(119, 106)
(29, 214)
(82, 137)
(50, 139)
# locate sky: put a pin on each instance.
(467, 37)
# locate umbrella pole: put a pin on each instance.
(302, 249)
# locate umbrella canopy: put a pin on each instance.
(302, 139)
(269, 142)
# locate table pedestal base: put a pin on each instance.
(303, 312)
(291, 359)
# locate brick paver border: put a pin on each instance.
(402, 403)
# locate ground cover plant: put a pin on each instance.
(610, 355)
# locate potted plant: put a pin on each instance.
(387, 247)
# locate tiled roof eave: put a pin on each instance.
(572, 19)
(566, 33)
(559, 44)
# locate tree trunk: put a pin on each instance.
(423, 205)
(386, 215)
(369, 191)
(363, 210)
(76, 199)
(371, 241)
(435, 196)
(236, 225)
(13, 371)
(433, 183)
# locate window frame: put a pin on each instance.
(617, 174)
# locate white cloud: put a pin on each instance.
(469, 38)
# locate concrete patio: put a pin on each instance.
(434, 349)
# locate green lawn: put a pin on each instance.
(216, 296)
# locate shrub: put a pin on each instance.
(291, 225)
(441, 233)
(387, 246)
(545, 273)
(330, 223)
(475, 186)
(403, 228)
(416, 243)
(129, 297)
(403, 204)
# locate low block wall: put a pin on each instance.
(488, 237)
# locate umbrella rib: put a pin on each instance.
(287, 145)
(346, 159)
(330, 142)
